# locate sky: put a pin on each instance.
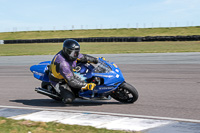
(28, 15)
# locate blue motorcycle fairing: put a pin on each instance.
(99, 91)
(112, 80)
(111, 75)
(39, 71)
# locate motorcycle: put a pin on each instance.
(106, 75)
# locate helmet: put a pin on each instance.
(71, 49)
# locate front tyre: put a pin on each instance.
(125, 93)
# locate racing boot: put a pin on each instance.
(66, 94)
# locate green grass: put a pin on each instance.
(101, 33)
(102, 48)
(25, 126)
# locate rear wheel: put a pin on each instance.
(125, 93)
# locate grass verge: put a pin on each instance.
(26, 126)
(174, 31)
(102, 48)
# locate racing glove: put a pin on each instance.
(95, 60)
(88, 59)
(89, 86)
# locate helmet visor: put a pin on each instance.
(74, 54)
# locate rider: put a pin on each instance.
(61, 73)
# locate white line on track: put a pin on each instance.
(106, 113)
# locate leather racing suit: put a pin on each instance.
(61, 70)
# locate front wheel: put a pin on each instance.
(125, 93)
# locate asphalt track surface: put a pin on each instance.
(168, 85)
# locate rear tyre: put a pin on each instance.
(125, 93)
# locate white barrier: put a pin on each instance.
(1, 41)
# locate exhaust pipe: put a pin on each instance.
(46, 92)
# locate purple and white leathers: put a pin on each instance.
(61, 70)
